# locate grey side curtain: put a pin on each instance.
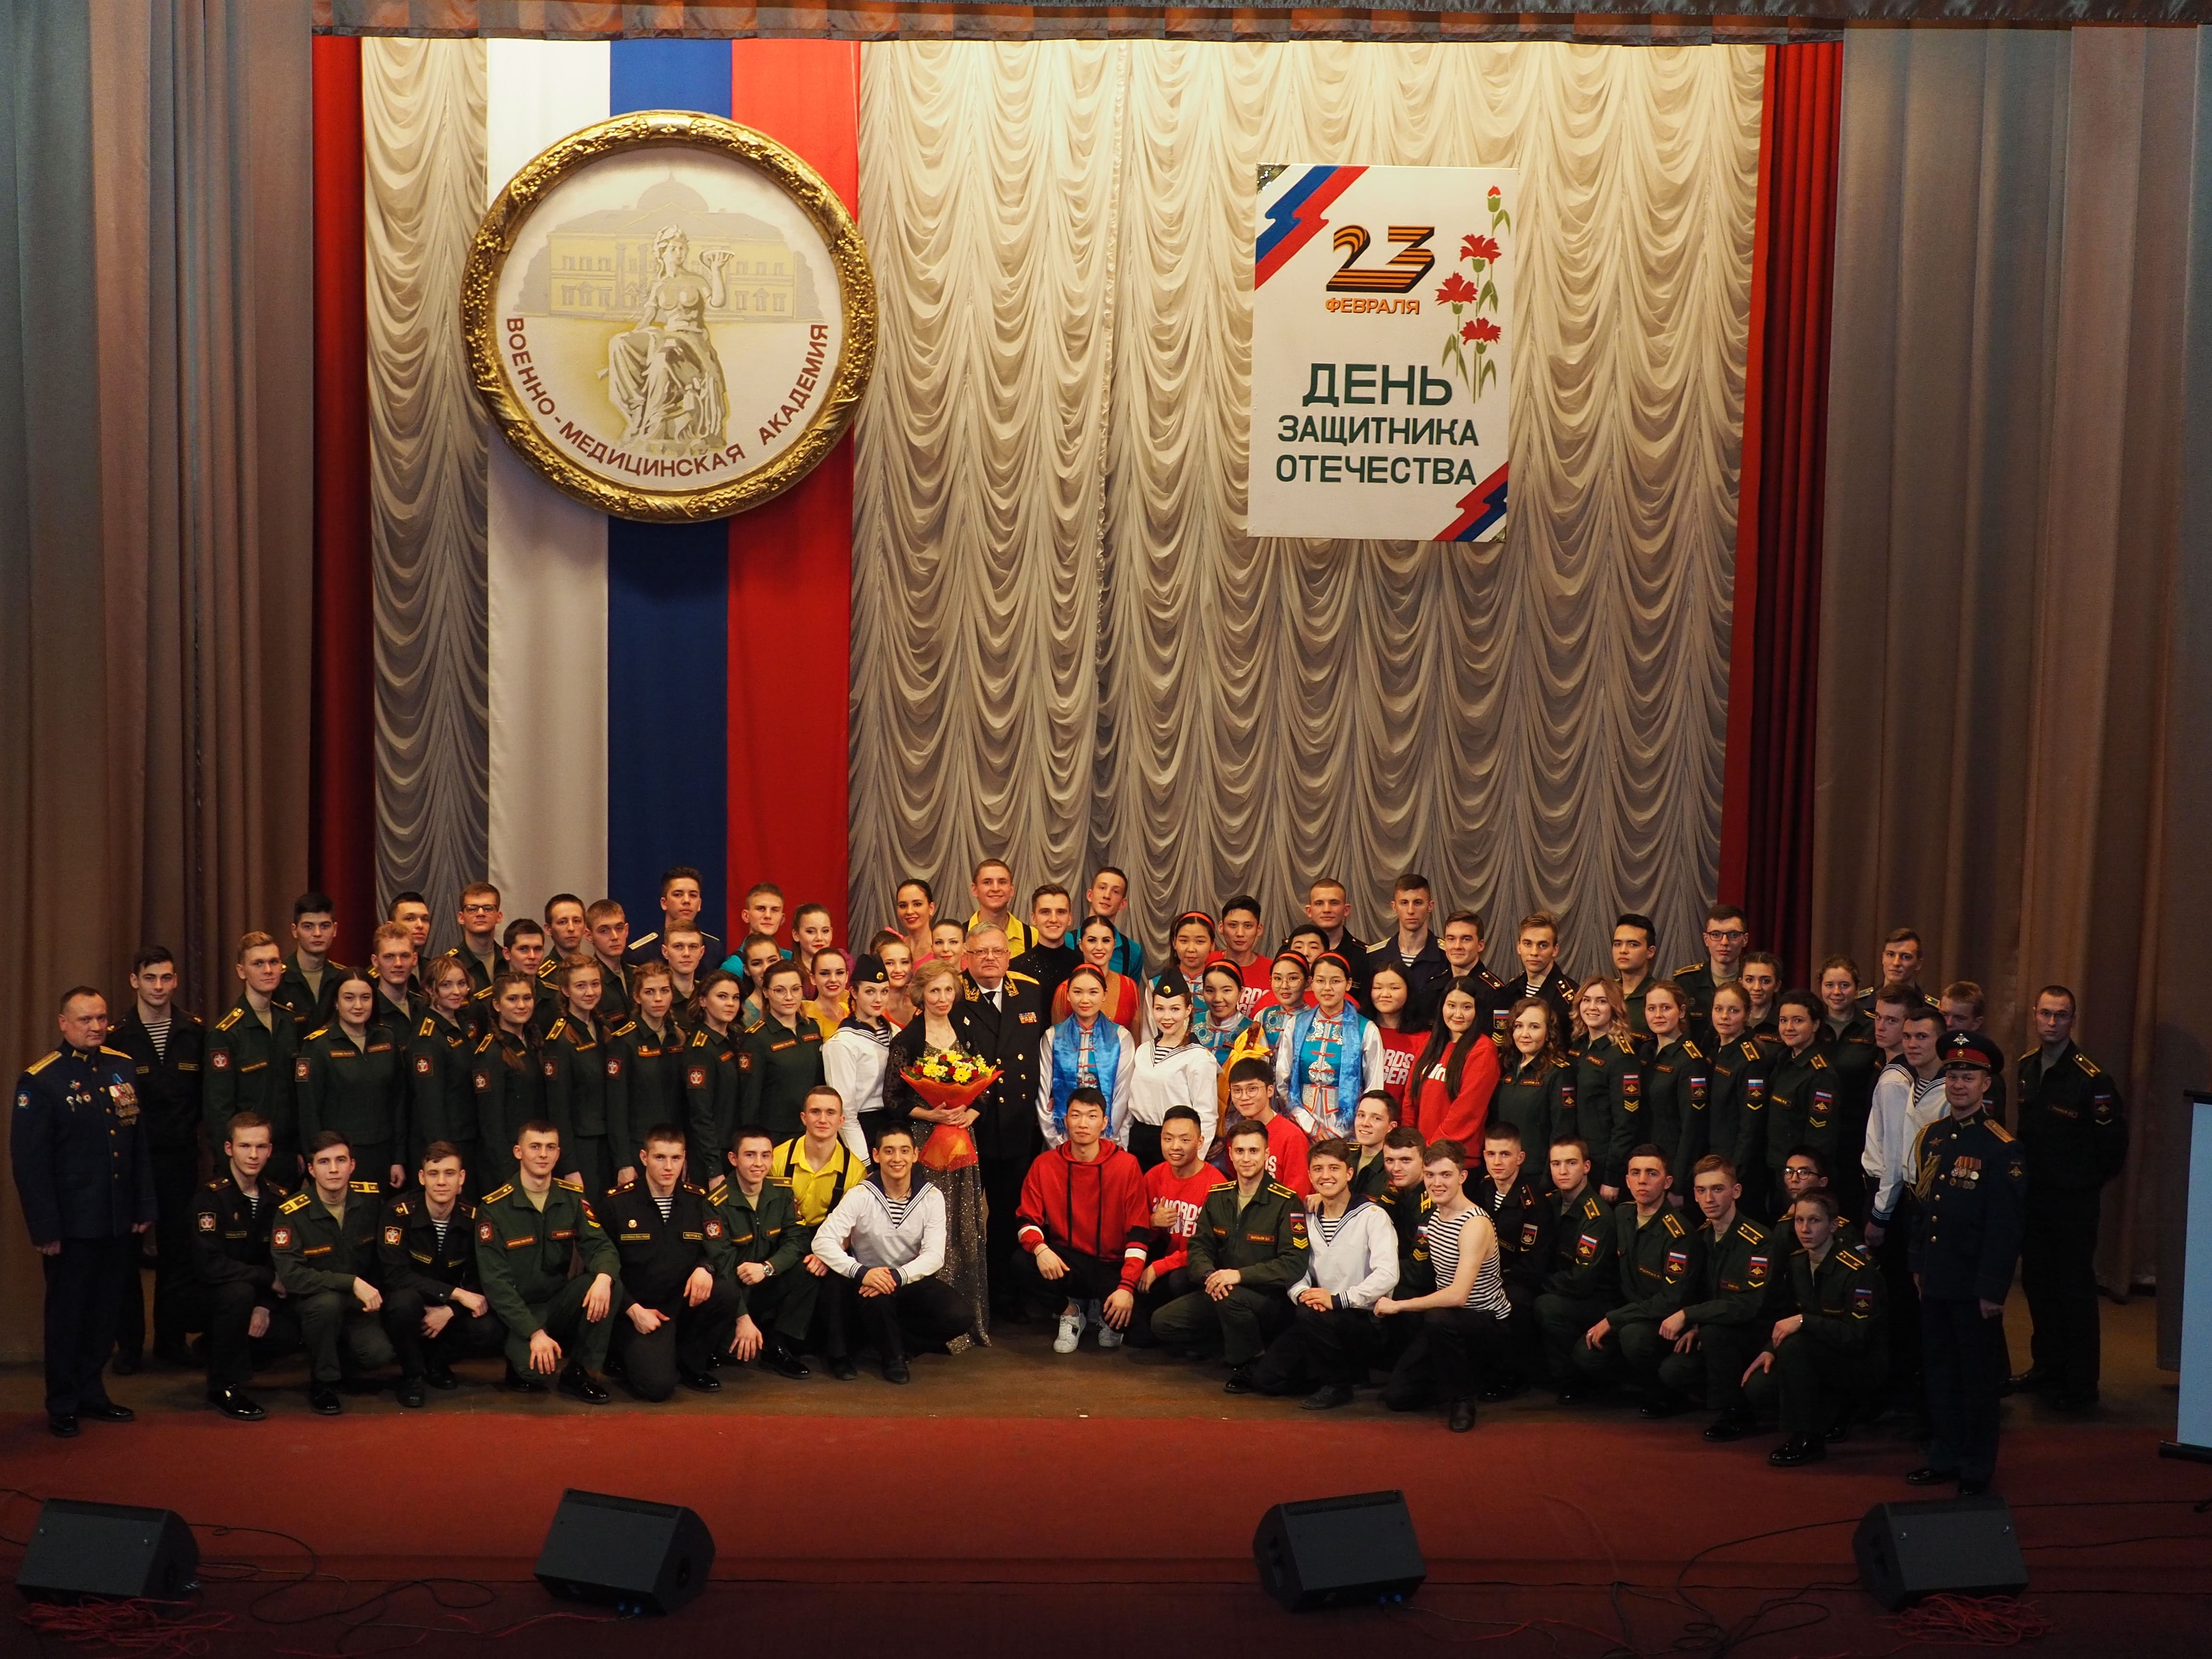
(2003, 665)
(156, 396)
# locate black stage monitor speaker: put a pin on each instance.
(623, 1551)
(1336, 1551)
(1955, 1546)
(107, 1551)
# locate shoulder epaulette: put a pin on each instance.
(119, 1055)
(217, 1186)
(320, 1031)
(1751, 1232)
(1625, 1043)
(1026, 979)
(1673, 1223)
(365, 1185)
(559, 1027)
(783, 1180)
(1848, 1260)
(1999, 1130)
(699, 1038)
(1563, 1062)
(227, 1020)
(497, 1193)
(1590, 1210)
(2087, 1064)
(489, 1037)
(1277, 1187)
(640, 943)
(429, 1027)
(297, 1201)
(573, 1186)
(1220, 1187)
(628, 1185)
(688, 1186)
(624, 1029)
(1692, 1049)
(1750, 1047)
(39, 1065)
(1818, 1060)
(1687, 968)
(755, 1026)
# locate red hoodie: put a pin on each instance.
(1439, 1115)
(1163, 1185)
(1095, 1209)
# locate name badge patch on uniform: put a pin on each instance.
(516, 1243)
(315, 1249)
(391, 1236)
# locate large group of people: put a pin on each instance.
(659, 1160)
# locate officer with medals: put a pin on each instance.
(84, 1175)
(1971, 1178)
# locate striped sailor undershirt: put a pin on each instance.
(666, 1204)
(158, 1029)
(1165, 1051)
(1488, 1292)
(1330, 1225)
(898, 1207)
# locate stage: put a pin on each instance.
(1013, 1500)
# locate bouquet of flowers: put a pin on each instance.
(950, 1080)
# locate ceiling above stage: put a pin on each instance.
(1624, 21)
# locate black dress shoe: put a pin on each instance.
(579, 1384)
(1662, 1406)
(1798, 1450)
(1493, 1393)
(61, 1427)
(1327, 1398)
(784, 1362)
(897, 1371)
(441, 1378)
(235, 1406)
(107, 1411)
(324, 1399)
(843, 1368)
(517, 1381)
(2026, 1381)
(1240, 1382)
(1462, 1416)
(1929, 1476)
(1836, 1433)
(411, 1395)
(700, 1381)
(1728, 1426)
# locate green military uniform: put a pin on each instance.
(523, 1258)
(1609, 1102)
(1583, 1282)
(508, 1076)
(250, 1069)
(309, 1006)
(1738, 1109)
(359, 1089)
(1536, 1096)
(766, 1230)
(1801, 1111)
(441, 1097)
(1265, 1240)
(480, 974)
(1370, 1179)
(711, 1081)
(1633, 1001)
(1855, 1062)
(652, 1072)
(1677, 1097)
(1661, 1262)
(1839, 1353)
(585, 1095)
(1732, 1314)
(318, 1256)
(777, 1065)
(1696, 979)
(399, 1018)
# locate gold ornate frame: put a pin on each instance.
(648, 129)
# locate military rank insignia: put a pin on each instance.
(1678, 1263)
(1527, 1235)
(1631, 1091)
(391, 1234)
(1758, 1270)
(713, 1229)
(1862, 1301)
(1586, 1249)
(422, 1065)
(220, 1059)
(614, 1066)
(207, 1221)
(484, 1083)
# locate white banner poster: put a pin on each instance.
(1382, 352)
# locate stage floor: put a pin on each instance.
(1038, 1500)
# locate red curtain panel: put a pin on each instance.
(1767, 821)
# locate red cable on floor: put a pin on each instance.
(1987, 1622)
(144, 1629)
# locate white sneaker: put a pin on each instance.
(1108, 1336)
(1070, 1331)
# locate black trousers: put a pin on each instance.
(1563, 1321)
(1145, 1144)
(1901, 1299)
(1454, 1350)
(1324, 1348)
(2059, 1272)
(466, 1335)
(1964, 1358)
(783, 1307)
(232, 1355)
(1165, 1289)
(179, 1307)
(87, 1281)
(927, 1314)
(1087, 1277)
(687, 1340)
(1002, 1180)
(1712, 1372)
(1811, 1386)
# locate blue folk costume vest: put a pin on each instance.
(1219, 1037)
(1333, 1067)
(1071, 1068)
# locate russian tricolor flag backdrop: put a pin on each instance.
(658, 694)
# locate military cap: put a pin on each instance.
(1970, 1049)
(869, 970)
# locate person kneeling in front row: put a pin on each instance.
(324, 1247)
(1083, 1229)
(1334, 1335)
(1250, 1246)
(434, 1308)
(884, 1242)
(1830, 1353)
(680, 1300)
(528, 1234)
(1466, 1322)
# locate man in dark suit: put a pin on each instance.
(1006, 1021)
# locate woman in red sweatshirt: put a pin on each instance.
(1404, 1036)
(1455, 1075)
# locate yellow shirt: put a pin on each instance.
(816, 1192)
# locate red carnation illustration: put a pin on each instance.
(1479, 247)
(1481, 329)
(1456, 291)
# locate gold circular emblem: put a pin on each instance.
(670, 315)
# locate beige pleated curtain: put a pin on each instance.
(1065, 649)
